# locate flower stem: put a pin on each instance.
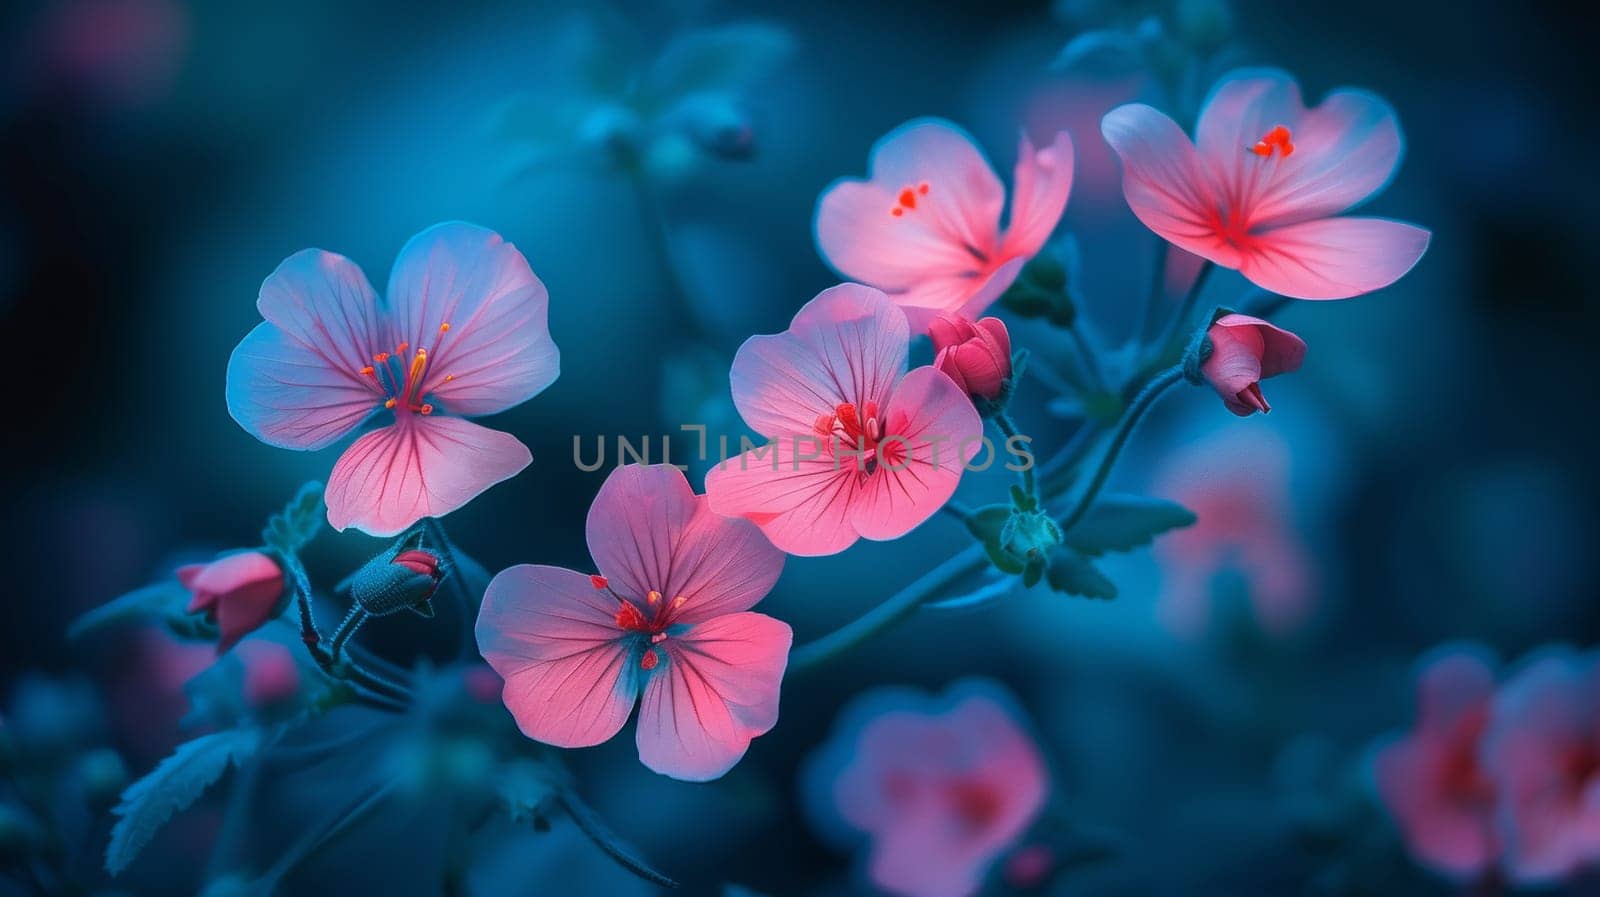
(1158, 289)
(347, 628)
(1175, 331)
(898, 606)
(1009, 428)
(455, 582)
(1091, 359)
(660, 239)
(1130, 420)
(368, 686)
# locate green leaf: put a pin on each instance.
(1125, 522)
(726, 59)
(1070, 573)
(298, 522)
(590, 823)
(164, 601)
(172, 786)
(987, 523)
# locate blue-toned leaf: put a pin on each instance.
(1070, 573)
(1103, 52)
(300, 519)
(171, 787)
(164, 601)
(1125, 522)
(728, 58)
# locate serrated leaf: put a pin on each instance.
(595, 828)
(725, 59)
(171, 787)
(164, 601)
(299, 520)
(986, 524)
(1070, 573)
(1125, 522)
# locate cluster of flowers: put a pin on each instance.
(1499, 779)
(665, 619)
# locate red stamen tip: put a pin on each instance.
(649, 661)
(654, 597)
(599, 582)
(908, 198)
(923, 188)
(897, 211)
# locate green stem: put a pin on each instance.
(1176, 330)
(1130, 419)
(1070, 454)
(958, 511)
(347, 628)
(456, 583)
(1158, 289)
(1009, 428)
(369, 687)
(1091, 359)
(898, 606)
(660, 239)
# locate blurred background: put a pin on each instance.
(1427, 477)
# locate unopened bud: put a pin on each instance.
(398, 580)
(1029, 535)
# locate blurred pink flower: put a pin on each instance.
(1245, 351)
(1431, 779)
(943, 788)
(1263, 186)
(975, 354)
(1239, 489)
(271, 675)
(240, 592)
(665, 622)
(1543, 749)
(462, 332)
(117, 52)
(925, 228)
(857, 447)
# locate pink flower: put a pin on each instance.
(462, 332)
(941, 787)
(241, 592)
(271, 675)
(925, 228)
(665, 622)
(1431, 779)
(1262, 187)
(1238, 487)
(977, 355)
(1543, 748)
(1245, 351)
(857, 447)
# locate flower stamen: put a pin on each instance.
(1276, 139)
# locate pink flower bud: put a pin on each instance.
(240, 592)
(977, 355)
(1245, 351)
(418, 561)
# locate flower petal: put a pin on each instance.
(1333, 258)
(570, 680)
(846, 345)
(295, 381)
(1346, 149)
(497, 352)
(716, 691)
(969, 293)
(1164, 183)
(943, 432)
(1041, 185)
(420, 466)
(859, 234)
(1242, 108)
(793, 490)
(649, 531)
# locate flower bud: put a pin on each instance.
(720, 128)
(239, 592)
(977, 355)
(398, 580)
(1245, 351)
(1029, 535)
